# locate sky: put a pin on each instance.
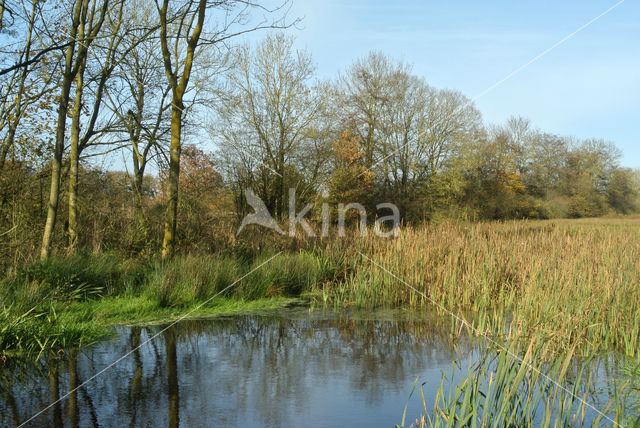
(589, 86)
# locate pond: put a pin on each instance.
(294, 368)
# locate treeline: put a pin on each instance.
(378, 133)
(143, 84)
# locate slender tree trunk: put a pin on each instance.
(139, 160)
(74, 158)
(1, 13)
(142, 218)
(138, 182)
(54, 192)
(56, 163)
(283, 194)
(13, 127)
(73, 198)
(171, 215)
(178, 88)
(6, 144)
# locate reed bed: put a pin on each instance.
(564, 280)
(567, 281)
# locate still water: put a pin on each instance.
(295, 368)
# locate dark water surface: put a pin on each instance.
(296, 368)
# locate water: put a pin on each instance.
(291, 369)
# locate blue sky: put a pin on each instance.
(587, 87)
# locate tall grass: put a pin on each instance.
(186, 280)
(565, 280)
(47, 306)
(513, 388)
(36, 332)
(80, 277)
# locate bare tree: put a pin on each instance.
(363, 93)
(185, 26)
(409, 131)
(99, 64)
(25, 92)
(139, 97)
(86, 21)
(270, 118)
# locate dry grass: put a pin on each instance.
(566, 280)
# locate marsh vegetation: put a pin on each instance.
(131, 133)
(553, 293)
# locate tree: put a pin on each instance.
(178, 77)
(204, 202)
(85, 24)
(13, 17)
(104, 59)
(270, 116)
(622, 192)
(350, 179)
(139, 97)
(186, 24)
(586, 177)
(26, 91)
(547, 156)
(410, 132)
(363, 94)
(496, 188)
(426, 131)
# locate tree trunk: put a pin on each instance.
(74, 161)
(138, 182)
(1, 13)
(54, 190)
(6, 145)
(178, 88)
(283, 195)
(56, 163)
(171, 215)
(73, 198)
(139, 160)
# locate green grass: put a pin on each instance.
(71, 302)
(35, 332)
(534, 386)
(142, 310)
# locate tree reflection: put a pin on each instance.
(54, 390)
(73, 384)
(172, 378)
(244, 370)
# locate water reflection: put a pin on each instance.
(253, 370)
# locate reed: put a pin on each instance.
(566, 281)
(563, 280)
(510, 387)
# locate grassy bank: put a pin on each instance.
(70, 302)
(568, 282)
